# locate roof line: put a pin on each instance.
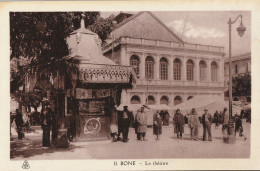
(167, 28)
(139, 13)
(128, 19)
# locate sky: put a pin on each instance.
(207, 27)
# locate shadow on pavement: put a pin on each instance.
(31, 147)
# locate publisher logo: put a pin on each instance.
(26, 165)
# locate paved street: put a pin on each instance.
(168, 147)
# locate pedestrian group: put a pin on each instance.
(194, 122)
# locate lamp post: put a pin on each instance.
(147, 81)
(241, 29)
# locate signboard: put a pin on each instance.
(91, 93)
(81, 93)
(93, 106)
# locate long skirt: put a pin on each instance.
(157, 129)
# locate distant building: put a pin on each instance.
(169, 70)
(241, 65)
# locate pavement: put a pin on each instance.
(30, 148)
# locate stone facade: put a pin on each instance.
(241, 64)
(169, 71)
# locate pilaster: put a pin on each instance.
(170, 69)
(208, 70)
(156, 67)
(183, 69)
(142, 67)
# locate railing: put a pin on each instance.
(158, 43)
(179, 83)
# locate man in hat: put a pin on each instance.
(124, 119)
(46, 123)
(206, 122)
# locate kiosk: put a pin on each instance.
(93, 88)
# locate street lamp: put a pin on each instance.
(241, 29)
(147, 81)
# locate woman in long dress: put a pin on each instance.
(157, 125)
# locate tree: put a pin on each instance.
(38, 47)
(242, 85)
(39, 38)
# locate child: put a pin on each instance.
(113, 132)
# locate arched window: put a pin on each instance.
(151, 100)
(203, 69)
(177, 69)
(135, 100)
(177, 100)
(190, 73)
(164, 100)
(149, 67)
(134, 61)
(214, 69)
(190, 97)
(163, 69)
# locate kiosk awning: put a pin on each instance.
(100, 73)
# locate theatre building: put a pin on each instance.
(169, 71)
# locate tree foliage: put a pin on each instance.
(37, 40)
(241, 85)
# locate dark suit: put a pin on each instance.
(206, 122)
(46, 125)
(124, 120)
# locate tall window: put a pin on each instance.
(177, 69)
(190, 70)
(163, 69)
(203, 68)
(214, 71)
(135, 100)
(149, 67)
(236, 69)
(134, 61)
(164, 100)
(177, 100)
(151, 100)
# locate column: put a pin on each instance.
(127, 97)
(144, 96)
(184, 97)
(156, 67)
(183, 69)
(127, 58)
(208, 70)
(123, 97)
(142, 67)
(170, 68)
(123, 56)
(171, 100)
(221, 71)
(157, 100)
(197, 70)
